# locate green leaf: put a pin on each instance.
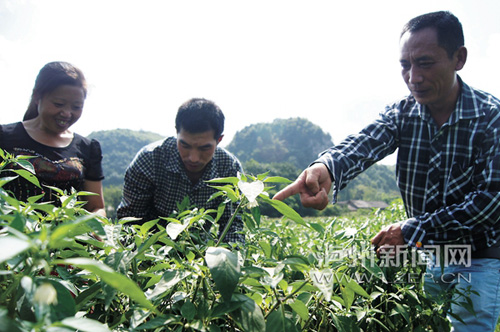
(23, 161)
(29, 176)
(65, 306)
(368, 262)
(188, 310)
(285, 210)
(356, 288)
(11, 246)
(277, 179)
(273, 277)
(168, 280)
(84, 297)
(345, 324)
(403, 311)
(221, 309)
(256, 215)
(300, 308)
(83, 324)
(266, 248)
(276, 321)
(248, 316)
(18, 222)
(6, 323)
(380, 323)
(6, 179)
(70, 229)
(231, 194)
(220, 211)
(114, 279)
(145, 227)
(225, 270)
(147, 244)
(347, 296)
(160, 321)
(318, 228)
(34, 199)
(230, 179)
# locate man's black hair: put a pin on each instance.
(199, 115)
(449, 29)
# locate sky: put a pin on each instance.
(335, 63)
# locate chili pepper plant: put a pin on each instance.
(64, 269)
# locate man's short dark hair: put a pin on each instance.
(449, 29)
(199, 115)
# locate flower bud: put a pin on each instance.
(46, 294)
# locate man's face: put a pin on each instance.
(428, 71)
(196, 150)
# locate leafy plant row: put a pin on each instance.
(63, 269)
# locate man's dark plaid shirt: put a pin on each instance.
(156, 181)
(449, 177)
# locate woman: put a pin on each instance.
(63, 159)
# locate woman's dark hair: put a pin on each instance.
(198, 115)
(449, 29)
(50, 77)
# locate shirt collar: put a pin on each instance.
(466, 107)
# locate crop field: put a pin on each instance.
(63, 269)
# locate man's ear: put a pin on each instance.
(461, 55)
(220, 139)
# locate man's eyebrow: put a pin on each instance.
(208, 145)
(424, 58)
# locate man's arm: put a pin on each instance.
(342, 163)
(138, 191)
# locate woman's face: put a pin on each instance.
(61, 108)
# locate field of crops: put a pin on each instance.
(62, 269)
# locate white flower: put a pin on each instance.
(253, 204)
(251, 190)
(46, 294)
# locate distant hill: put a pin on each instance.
(119, 147)
(296, 140)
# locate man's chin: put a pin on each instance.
(193, 169)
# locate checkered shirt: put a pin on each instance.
(155, 182)
(449, 177)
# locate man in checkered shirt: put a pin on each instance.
(163, 173)
(448, 166)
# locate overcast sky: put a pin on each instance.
(334, 63)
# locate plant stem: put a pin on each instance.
(278, 302)
(229, 223)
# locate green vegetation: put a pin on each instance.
(62, 269)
